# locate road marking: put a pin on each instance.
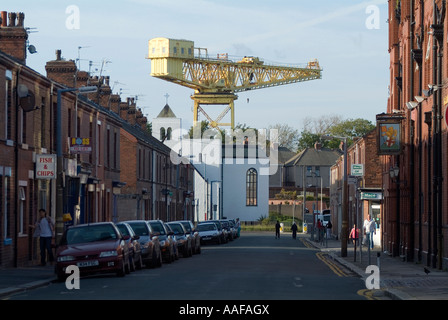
(331, 264)
(369, 294)
(297, 285)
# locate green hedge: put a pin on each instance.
(268, 223)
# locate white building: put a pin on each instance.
(231, 181)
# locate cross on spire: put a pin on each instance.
(166, 96)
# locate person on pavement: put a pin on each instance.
(354, 234)
(43, 228)
(294, 230)
(277, 230)
(369, 230)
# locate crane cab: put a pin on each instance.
(166, 55)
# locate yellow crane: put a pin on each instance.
(216, 80)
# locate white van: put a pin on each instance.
(323, 217)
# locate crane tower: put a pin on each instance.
(215, 80)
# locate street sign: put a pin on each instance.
(357, 170)
(371, 196)
(45, 166)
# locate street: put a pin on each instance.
(254, 267)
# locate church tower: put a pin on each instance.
(167, 128)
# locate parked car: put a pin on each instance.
(183, 238)
(135, 250)
(188, 225)
(171, 232)
(149, 242)
(165, 240)
(226, 225)
(223, 231)
(234, 228)
(209, 233)
(94, 248)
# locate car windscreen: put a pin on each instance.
(186, 225)
(139, 228)
(90, 233)
(177, 228)
(206, 227)
(123, 229)
(158, 227)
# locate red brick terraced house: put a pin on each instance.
(112, 169)
(414, 174)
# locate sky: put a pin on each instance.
(348, 37)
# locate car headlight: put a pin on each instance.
(113, 253)
(65, 258)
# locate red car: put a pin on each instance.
(93, 248)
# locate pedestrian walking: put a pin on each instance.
(294, 230)
(369, 230)
(320, 229)
(277, 230)
(44, 229)
(329, 226)
(354, 234)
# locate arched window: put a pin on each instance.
(162, 134)
(168, 133)
(251, 187)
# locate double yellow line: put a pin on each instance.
(331, 264)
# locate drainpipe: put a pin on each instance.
(410, 253)
(16, 169)
(439, 144)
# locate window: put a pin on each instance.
(168, 134)
(251, 187)
(309, 170)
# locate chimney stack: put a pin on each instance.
(13, 36)
(61, 71)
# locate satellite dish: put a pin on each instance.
(28, 103)
(22, 90)
(32, 49)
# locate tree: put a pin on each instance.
(307, 140)
(287, 136)
(333, 126)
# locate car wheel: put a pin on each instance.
(132, 263)
(127, 267)
(139, 264)
(159, 262)
(121, 272)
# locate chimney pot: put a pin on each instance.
(12, 19)
(58, 55)
(4, 18)
(20, 19)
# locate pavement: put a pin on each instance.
(399, 280)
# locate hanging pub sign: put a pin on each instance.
(80, 145)
(389, 134)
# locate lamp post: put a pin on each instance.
(59, 178)
(344, 227)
